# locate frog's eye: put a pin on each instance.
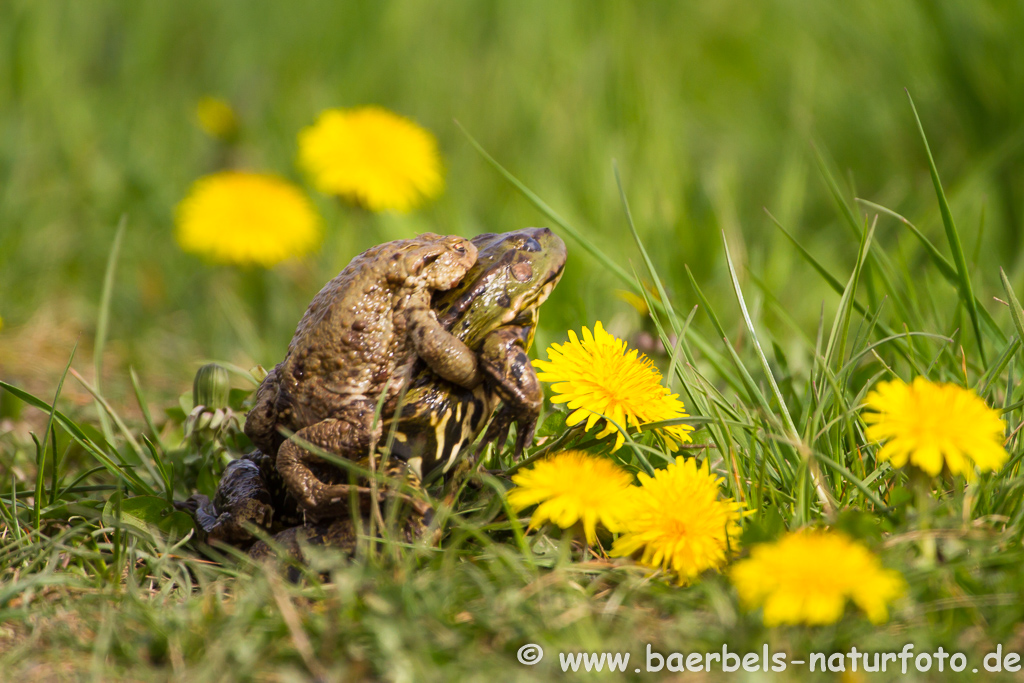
(459, 249)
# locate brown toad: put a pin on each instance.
(358, 340)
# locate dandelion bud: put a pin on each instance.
(211, 387)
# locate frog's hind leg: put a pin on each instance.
(349, 438)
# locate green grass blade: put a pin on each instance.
(18, 532)
(820, 486)
(157, 450)
(853, 479)
(7, 518)
(680, 329)
(139, 486)
(996, 369)
(675, 368)
(790, 426)
(813, 262)
(1015, 309)
(541, 206)
(836, 347)
(103, 320)
(54, 473)
(122, 427)
(680, 349)
(41, 460)
(878, 259)
(748, 383)
(137, 387)
(166, 473)
(855, 358)
(947, 269)
(643, 252)
(750, 387)
(837, 286)
(850, 218)
(953, 237)
(705, 303)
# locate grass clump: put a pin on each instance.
(98, 576)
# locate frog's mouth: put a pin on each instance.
(531, 299)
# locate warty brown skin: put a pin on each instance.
(356, 342)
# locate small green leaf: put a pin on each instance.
(185, 402)
(770, 527)
(554, 424)
(859, 524)
(900, 496)
(148, 516)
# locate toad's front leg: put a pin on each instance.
(445, 354)
(243, 497)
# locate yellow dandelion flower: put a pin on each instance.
(929, 424)
(597, 376)
(570, 487)
(216, 118)
(373, 157)
(676, 517)
(807, 577)
(246, 218)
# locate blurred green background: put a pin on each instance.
(710, 109)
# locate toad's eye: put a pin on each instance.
(460, 249)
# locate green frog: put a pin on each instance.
(494, 311)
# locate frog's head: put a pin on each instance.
(437, 261)
(513, 275)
